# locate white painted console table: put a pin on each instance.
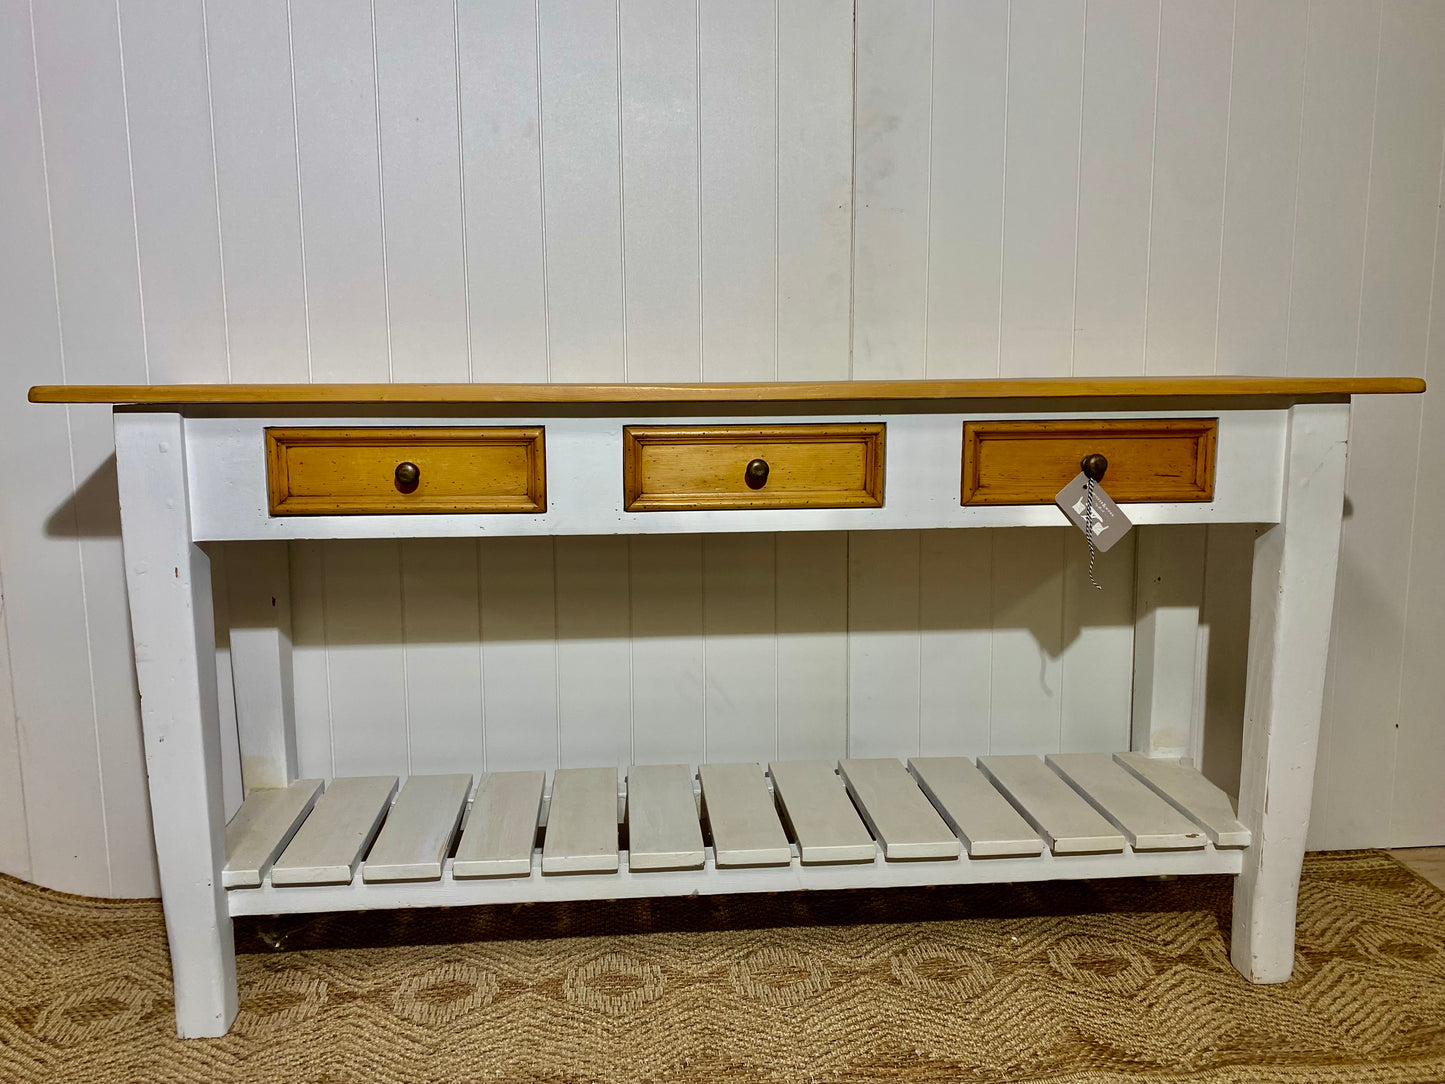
(201, 464)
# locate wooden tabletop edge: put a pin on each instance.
(837, 391)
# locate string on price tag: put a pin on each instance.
(1092, 510)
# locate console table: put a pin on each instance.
(214, 463)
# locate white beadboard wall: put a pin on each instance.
(719, 190)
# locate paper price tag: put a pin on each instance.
(1107, 522)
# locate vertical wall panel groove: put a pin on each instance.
(253, 139)
(1045, 89)
(86, 171)
(658, 68)
(583, 230)
(1376, 568)
(333, 63)
(501, 138)
(1116, 159)
(966, 180)
(737, 115)
(1260, 184)
(1417, 815)
(813, 205)
(420, 179)
(1190, 152)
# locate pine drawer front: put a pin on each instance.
(364, 471)
(682, 468)
(1028, 462)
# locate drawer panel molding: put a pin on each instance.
(1028, 462)
(681, 468)
(381, 471)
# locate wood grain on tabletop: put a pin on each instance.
(824, 391)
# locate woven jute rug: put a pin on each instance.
(1071, 981)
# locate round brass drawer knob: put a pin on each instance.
(407, 476)
(757, 474)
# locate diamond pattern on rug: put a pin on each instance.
(1065, 981)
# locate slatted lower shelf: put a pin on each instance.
(858, 824)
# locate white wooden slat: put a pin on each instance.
(1190, 141)
(1045, 87)
(742, 817)
(667, 648)
(663, 831)
(1096, 672)
(738, 116)
(659, 90)
(332, 53)
(329, 846)
(582, 180)
(739, 609)
(249, 53)
(1342, 48)
(896, 812)
(979, 814)
(365, 662)
(262, 828)
(890, 223)
(594, 655)
(419, 829)
(501, 831)
(441, 628)
(812, 645)
(824, 822)
(1027, 638)
(417, 103)
(519, 652)
(582, 822)
(814, 187)
(954, 612)
(1148, 822)
(966, 180)
(1190, 793)
(502, 188)
(1068, 823)
(1266, 98)
(1116, 148)
(167, 99)
(884, 645)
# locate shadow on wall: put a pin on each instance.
(92, 510)
(456, 575)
